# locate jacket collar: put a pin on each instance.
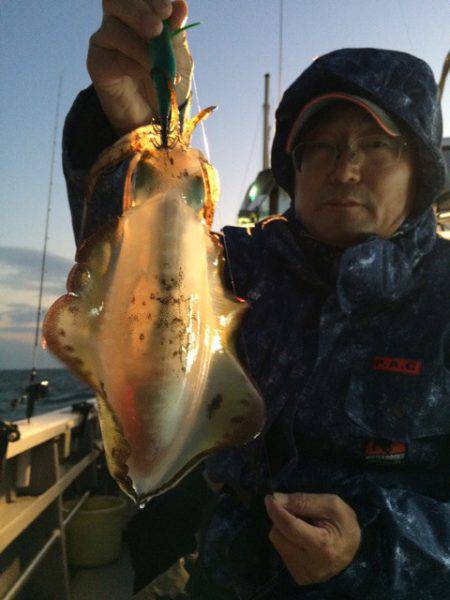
(375, 272)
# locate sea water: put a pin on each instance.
(63, 390)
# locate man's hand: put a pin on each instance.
(316, 535)
(119, 64)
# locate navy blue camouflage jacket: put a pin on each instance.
(351, 350)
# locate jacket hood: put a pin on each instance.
(401, 84)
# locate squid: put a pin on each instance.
(147, 321)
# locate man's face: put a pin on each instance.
(342, 204)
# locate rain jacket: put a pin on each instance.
(351, 350)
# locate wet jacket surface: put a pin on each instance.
(351, 351)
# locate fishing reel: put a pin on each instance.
(9, 432)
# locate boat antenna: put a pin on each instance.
(44, 251)
(266, 125)
(280, 51)
(444, 73)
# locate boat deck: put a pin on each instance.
(110, 582)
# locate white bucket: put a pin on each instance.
(94, 535)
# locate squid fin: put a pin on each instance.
(66, 333)
(234, 411)
(117, 449)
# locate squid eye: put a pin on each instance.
(146, 179)
(195, 192)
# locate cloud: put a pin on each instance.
(20, 272)
(19, 314)
(17, 324)
(20, 269)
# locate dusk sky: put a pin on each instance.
(235, 45)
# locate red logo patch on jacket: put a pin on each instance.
(384, 452)
(408, 366)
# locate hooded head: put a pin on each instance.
(398, 89)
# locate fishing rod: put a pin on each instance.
(47, 221)
(38, 389)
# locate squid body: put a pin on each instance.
(148, 323)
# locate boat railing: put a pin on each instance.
(55, 450)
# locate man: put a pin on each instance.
(348, 335)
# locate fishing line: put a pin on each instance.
(263, 451)
(252, 151)
(233, 285)
(202, 124)
(247, 359)
(263, 446)
(204, 135)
